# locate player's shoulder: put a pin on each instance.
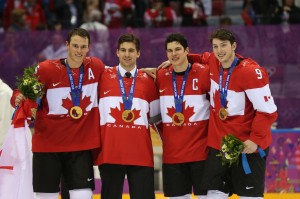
(251, 74)
(198, 67)
(144, 76)
(110, 69)
(248, 66)
(50, 65)
(248, 63)
(200, 70)
(163, 72)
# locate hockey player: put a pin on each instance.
(66, 127)
(183, 89)
(128, 97)
(241, 105)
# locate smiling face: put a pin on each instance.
(177, 56)
(224, 51)
(77, 50)
(128, 54)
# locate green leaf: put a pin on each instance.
(29, 84)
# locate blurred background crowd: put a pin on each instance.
(34, 30)
(32, 15)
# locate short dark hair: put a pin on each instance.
(177, 37)
(80, 32)
(222, 34)
(129, 38)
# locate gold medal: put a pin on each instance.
(75, 112)
(178, 118)
(223, 114)
(128, 116)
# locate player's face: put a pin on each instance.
(224, 51)
(177, 55)
(128, 55)
(77, 49)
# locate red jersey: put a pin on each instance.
(188, 142)
(114, 12)
(55, 130)
(126, 143)
(35, 15)
(165, 18)
(250, 106)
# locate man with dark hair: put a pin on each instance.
(183, 89)
(128, 97)
(241, 105)
(66, 127)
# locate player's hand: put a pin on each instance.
(33, 112)
(150, 71)
(165, 64)
(250, 147)
(19, 99)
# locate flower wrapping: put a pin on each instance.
(33, 90)
(16, 154)
(231, 148)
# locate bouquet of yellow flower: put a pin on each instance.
(29, 84)
(231, 149)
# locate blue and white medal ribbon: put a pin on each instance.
(223, 91)
(76, 111)
(128, 114)
(178, 117)
(245, 163)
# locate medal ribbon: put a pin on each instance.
(245, 163)
(178, 100)
(127, 100)
(223, 91)
(75, 91)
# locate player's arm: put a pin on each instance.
(200, 58)
(258, 92)
(192, 58)
(150, 71)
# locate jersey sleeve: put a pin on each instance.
(261, 128)
(99, 64)
(205, 77)
(101, 67)
(42, 73)
(154, 103)
(159, 77)
(257, 89)
(200, 58)
(13, 97)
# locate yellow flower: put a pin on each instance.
(29, 84)
(224, 148)
(26, 82)
(227, 156)
(231, 149)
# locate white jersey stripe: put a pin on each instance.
(262, 99)
(107, 103)
(199, 103)
(56, 95)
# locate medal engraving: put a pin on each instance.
(178, 118)
(223, 114)
(75, 112)
(128, 116)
